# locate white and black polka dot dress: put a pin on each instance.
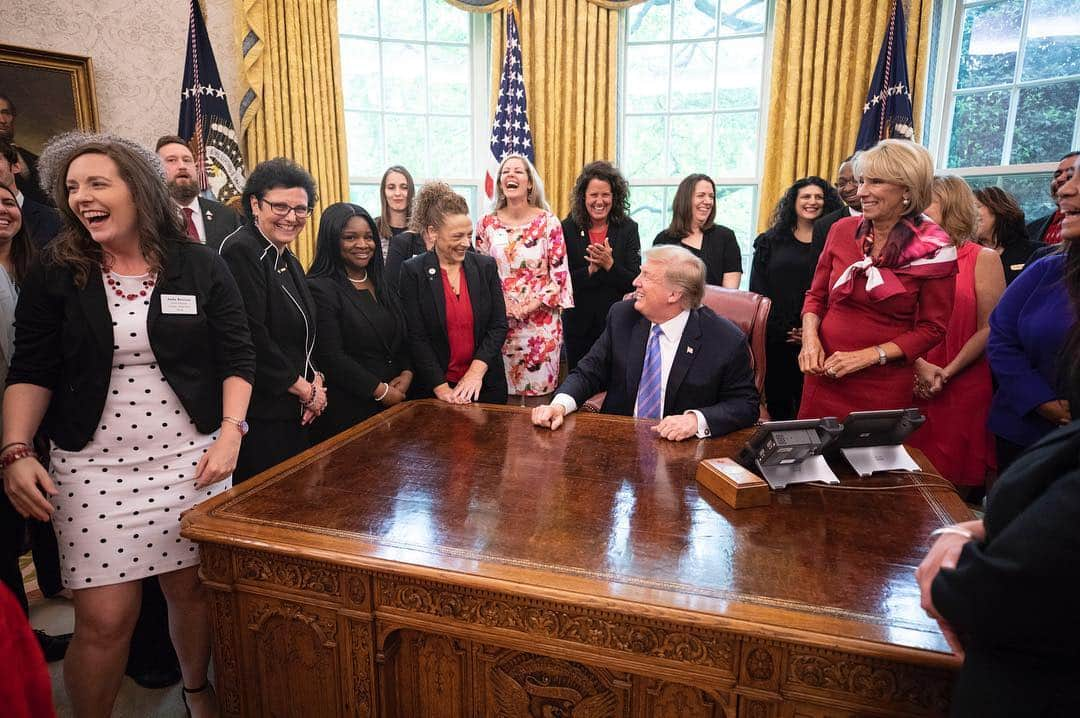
(120, 498)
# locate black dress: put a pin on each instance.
(719, 250)
(1012, 598)
(782, 270)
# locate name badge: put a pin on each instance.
(1016, 267)
(178, 304)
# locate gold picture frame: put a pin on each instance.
(52, 92)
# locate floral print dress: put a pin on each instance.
(532, 265)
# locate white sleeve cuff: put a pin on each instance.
(702, 425)
(566, 402)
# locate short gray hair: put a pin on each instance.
(682, 270)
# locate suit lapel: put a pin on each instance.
(635, 360)
(95, 306)
(434, 282)
(354, 297)
(684, 358)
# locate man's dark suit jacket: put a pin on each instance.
(1036, 228)
(64, 341)
(422, 297)
(823, 224)
(42, 221)
(711, 371)
(29, 183)
(220, 221)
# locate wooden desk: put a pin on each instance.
(456, 561)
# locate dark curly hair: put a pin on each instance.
(784, 215)
(620, 193)
(1009, 226)
(272, 174)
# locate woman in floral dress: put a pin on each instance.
(526, 241)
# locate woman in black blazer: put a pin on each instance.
(692, 213)
(604, 253)
(403, 247)
(132, 354)
(1001, 228)
(289, 393)
(363, 344)
(454, 306)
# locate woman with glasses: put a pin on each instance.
(289, 393)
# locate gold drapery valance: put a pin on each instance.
(824, 53)
(293, 107)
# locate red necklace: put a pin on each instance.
(147, 286)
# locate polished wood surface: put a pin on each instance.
(468, 523)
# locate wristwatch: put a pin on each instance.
(881, 355)
(238, 423)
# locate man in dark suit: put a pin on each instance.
(26, 175)
(42, 221)
(207, 221)
(1047, 230)
(848, 189)
(663, 356)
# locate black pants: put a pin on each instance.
(268, 443)
(12, 536)
(783, 380)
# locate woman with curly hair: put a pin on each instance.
(1001, 228)
(604, 252)
(785, 256)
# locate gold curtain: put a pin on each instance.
(293, 105)
(569, 51)
(824, 53)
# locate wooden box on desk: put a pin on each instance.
(737, 487)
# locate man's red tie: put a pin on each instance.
(192, 231)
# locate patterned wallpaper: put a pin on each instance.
(137, 49)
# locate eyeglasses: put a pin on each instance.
(282, 210)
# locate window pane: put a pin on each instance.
(978, 131)
(468, 191)
(738, 84)
(650, 21)
(734, 207)
(692, 65)
(363, 131)
(742, 16)
(689, 144)
(735, 142)
(402, 19)
(403, 77)
(446, 23)
(367, 196)
(405, 145)
(694, 19)
(358, 17)
(1052, 48)
(1032, 191)
(1044, 122)
(448, 78)
(644, 146)
(646, 78)
(451, 146)
(360, 74)
(989, 42)
(649, 210)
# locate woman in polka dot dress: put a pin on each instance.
(132, 354)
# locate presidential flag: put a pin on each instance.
(510, 133)
(887, 112)
(205, 120)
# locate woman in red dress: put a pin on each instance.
(882, 291)
(953, 382)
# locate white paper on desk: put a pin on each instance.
(868, 459)
(814, 468)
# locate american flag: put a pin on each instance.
(887, 112)
(510, 133)
(205, 120)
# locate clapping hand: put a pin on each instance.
(599, 256)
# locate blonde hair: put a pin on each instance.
(902, 162)
(959, 217)
(536, 196)
(682, 270)
(433, 204)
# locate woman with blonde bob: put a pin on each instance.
(953, 380)
(526, 241)
(882, 290)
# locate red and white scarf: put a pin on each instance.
(927, 254)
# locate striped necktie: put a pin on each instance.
(648, 395)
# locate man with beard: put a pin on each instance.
(847, 187)
(1047, 230)
(207, 221)
(26, 174)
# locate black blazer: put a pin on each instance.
(1017, 255)
(711, 370)
(353, 353)
(595, 293)
(64, 341)
(30, 182)
(425, 313)
(42, 221)
(823, 224)
(403, 247)
(719, 250)
(1036, 228)
(220, 221)
(252, 258)
(1012, 597)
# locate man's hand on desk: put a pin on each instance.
(678, 427)
(550, 415)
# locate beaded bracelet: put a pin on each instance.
(12, 456)
(5, 447)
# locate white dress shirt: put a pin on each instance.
(196, 217)
(671, 333)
